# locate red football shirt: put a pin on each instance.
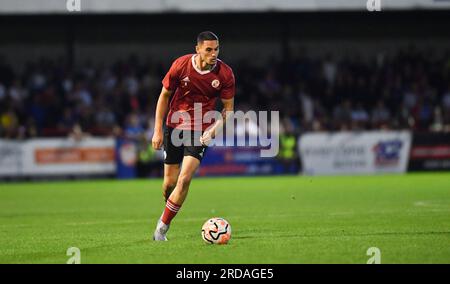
(194, 86)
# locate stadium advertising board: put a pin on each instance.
(238, 161)
(430, 152)
(10, 158)
(354, 153)
(53, 157)
(126, 158)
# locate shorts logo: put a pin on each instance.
(165, 155)
(215, 84)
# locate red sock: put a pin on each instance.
(169, 212)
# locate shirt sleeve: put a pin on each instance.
(170, 81)
(228, 91)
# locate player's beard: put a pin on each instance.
(207, 66)
(211, 63)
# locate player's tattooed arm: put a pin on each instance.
(161, 111)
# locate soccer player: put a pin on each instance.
(199, 78)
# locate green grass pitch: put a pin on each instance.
(274, 220)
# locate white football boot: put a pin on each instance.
(161, 231)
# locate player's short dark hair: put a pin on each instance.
(207, 35)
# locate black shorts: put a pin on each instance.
(173, 154)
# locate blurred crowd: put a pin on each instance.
(408, 89)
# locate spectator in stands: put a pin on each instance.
(9, 124)
(342, 115)
(105, 118)
(402, 90)
(77, 133)
(360, 117)
(329, 69)
(2, 92)
(68, 120)
(380, 115)
(438, 122)
(446, 100)
(287, 154)
(133, 129)
(446, 108)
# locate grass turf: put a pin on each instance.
(274, 220)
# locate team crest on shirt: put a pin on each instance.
(215, 84)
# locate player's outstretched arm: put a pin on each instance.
(228, 108)
(161, 111)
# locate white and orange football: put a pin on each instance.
(216, 231)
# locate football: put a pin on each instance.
(216, 231)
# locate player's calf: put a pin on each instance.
(168, 187)
(180, 192)
(183, 183)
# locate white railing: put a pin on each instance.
(161, 6)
